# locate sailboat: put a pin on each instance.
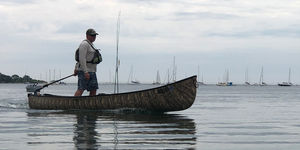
(261, 78)
(228, 83)
(226, 80)
(61, 82)
(33, 87)
(289, 83)
(174, 70)
(198, 81)
(171, 73)
(157, 82)
(247, 78)
(131, 77)
(220, 83)
(167, 77)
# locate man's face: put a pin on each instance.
(91, 38)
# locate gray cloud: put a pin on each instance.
(72, 27)
(279, 32)
(203, 15)
(18, 2)
(287, 32)
(216, 34)
(150, 2)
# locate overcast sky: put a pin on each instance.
(42, 35)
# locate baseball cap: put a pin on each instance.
(91, 32)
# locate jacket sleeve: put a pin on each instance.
(83, 48)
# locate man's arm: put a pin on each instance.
(83, 48)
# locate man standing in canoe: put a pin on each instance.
(84, 68)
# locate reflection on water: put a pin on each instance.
(85, 135)
(112, 130)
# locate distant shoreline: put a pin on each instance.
(17, 79)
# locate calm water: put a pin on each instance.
(223, 118)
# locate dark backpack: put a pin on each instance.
(97, 58)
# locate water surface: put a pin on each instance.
(224, 118)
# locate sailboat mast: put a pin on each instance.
(109, 78)
(174, 70)
(227, 76)
(289, 75)
(198, 73)
(157, 77)
(116, 85)
(168, 76)
(246, 75)
(130, 78)
(262, 75)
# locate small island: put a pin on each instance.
(17, 79)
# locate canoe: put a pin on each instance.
(176, 96)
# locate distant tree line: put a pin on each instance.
(16, 79)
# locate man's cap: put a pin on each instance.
(91, 32)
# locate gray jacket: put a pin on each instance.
(86, 53)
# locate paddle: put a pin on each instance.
(46, 85)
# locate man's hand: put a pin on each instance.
(75, 72)
(87, 76)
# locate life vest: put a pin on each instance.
(97, 58)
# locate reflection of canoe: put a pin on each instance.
(171, 97)
(115, 129)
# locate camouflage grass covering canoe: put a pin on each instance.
(176, 96)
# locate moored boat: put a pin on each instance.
(285, 84)
(289, 83)
(32, 87)
(176, 96)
